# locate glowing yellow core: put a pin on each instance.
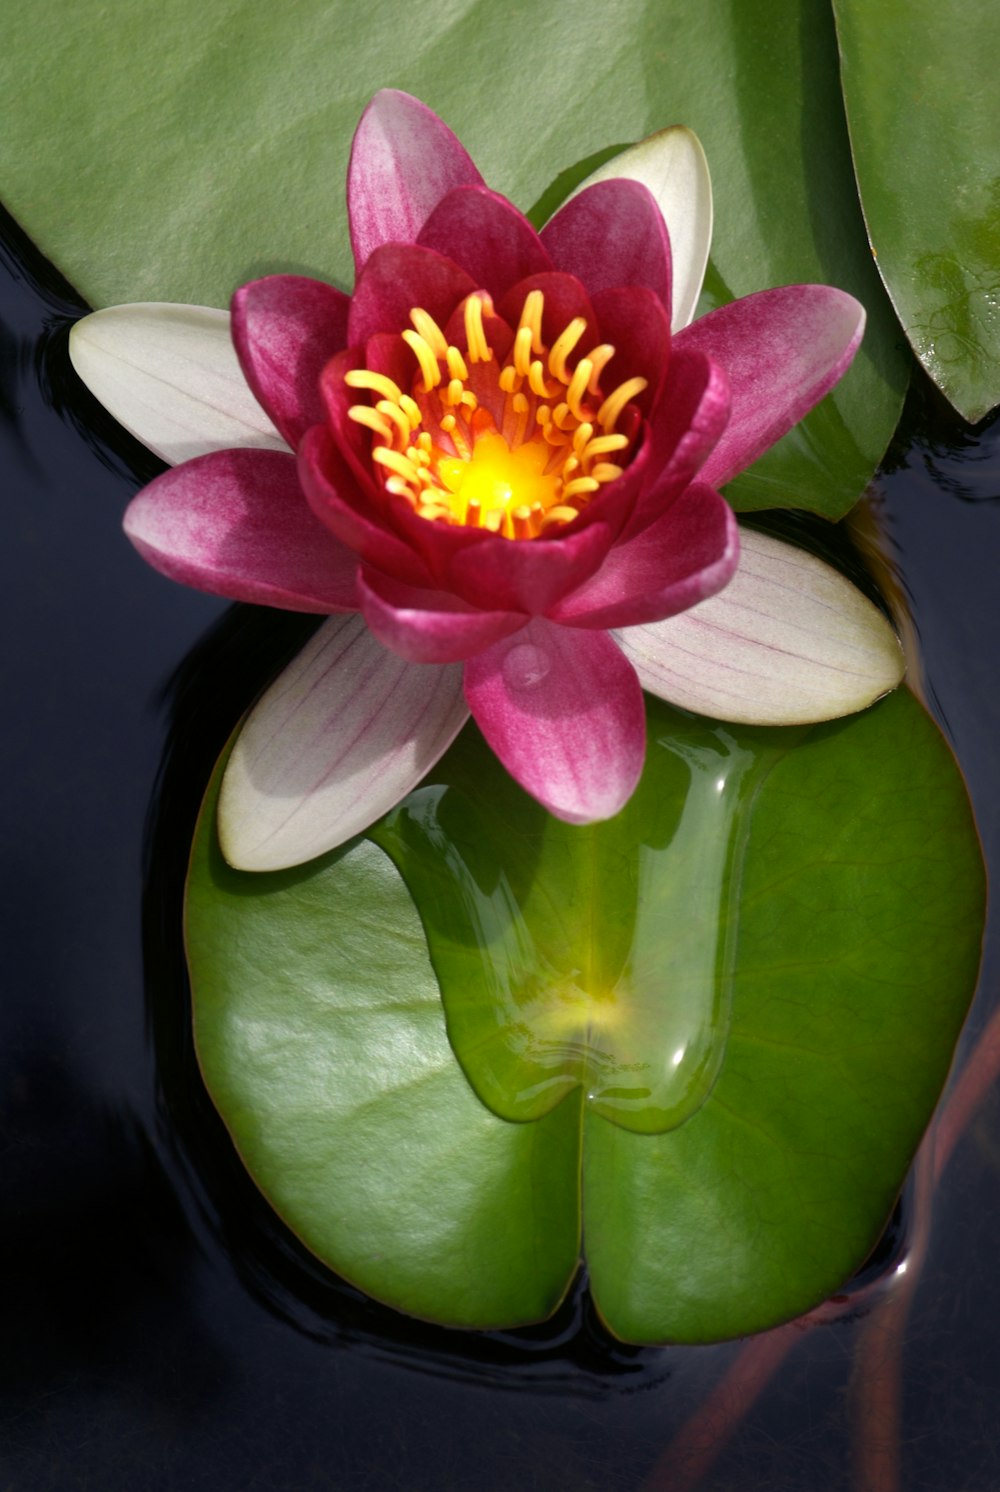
(517, 448)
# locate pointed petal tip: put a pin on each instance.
(170, 375)
(345, 732)
(404, 160)
(789, 641)
(673, 166)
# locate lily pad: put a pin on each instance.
(919, 80)
(811, 928)
(173, 152)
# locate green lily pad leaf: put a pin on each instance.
(161, 154)
(811, 929)
(919, 81)
(323, 1043)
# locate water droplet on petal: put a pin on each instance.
(525, 666)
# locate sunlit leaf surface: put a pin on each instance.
(736, 1002)
(172, 152)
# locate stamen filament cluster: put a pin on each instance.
(517, 449)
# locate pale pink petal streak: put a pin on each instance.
(340, 737)
(235, 523)
(404, 159)
(788, 641)
(563, 711)
(782, 351)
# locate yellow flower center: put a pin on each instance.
(517, 449)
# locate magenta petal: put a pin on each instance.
(343, 509)
(528, 575)
(404, 159)
(429, 626)
(285, 329)
(686, 426)
(563, 711)
(237, 523)
(487, 236)
(611, 234)
(782, 351)
(687, 555)
(395, 280)
(633, 320)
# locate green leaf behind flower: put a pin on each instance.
(172, 152)
(814, 937)
(920, 85)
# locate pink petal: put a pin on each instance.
(398, 278)
(344, 733)
(429, 626)
(527, 575)
(404, 159)
(563, 711)
(634, 322)
(688, 554)
(285, 329)
(611, 234)
(689, 420)
(236, 523)
(343, 509)
(487, 236)
(782, 351)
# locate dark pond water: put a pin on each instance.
(159, 1329)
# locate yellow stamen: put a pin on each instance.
(411, 409)
(509, 380)
(581, 485)
(602, 445)
(578, 386)
(522, 351)
(613, 405)
(598, 357)
(456, 364)
(531, 318)
(395, 415)
(480, 350)
(396, 462)
(363, 414)
(430, 331)
(563, 346)
(425, 357)
(537, 382)
(581, 436)
(558, 515)
(376, 383)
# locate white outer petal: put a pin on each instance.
(344, 733)
(789, 641)
(673, 166)
(170, 375)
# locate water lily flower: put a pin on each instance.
(495, 465)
